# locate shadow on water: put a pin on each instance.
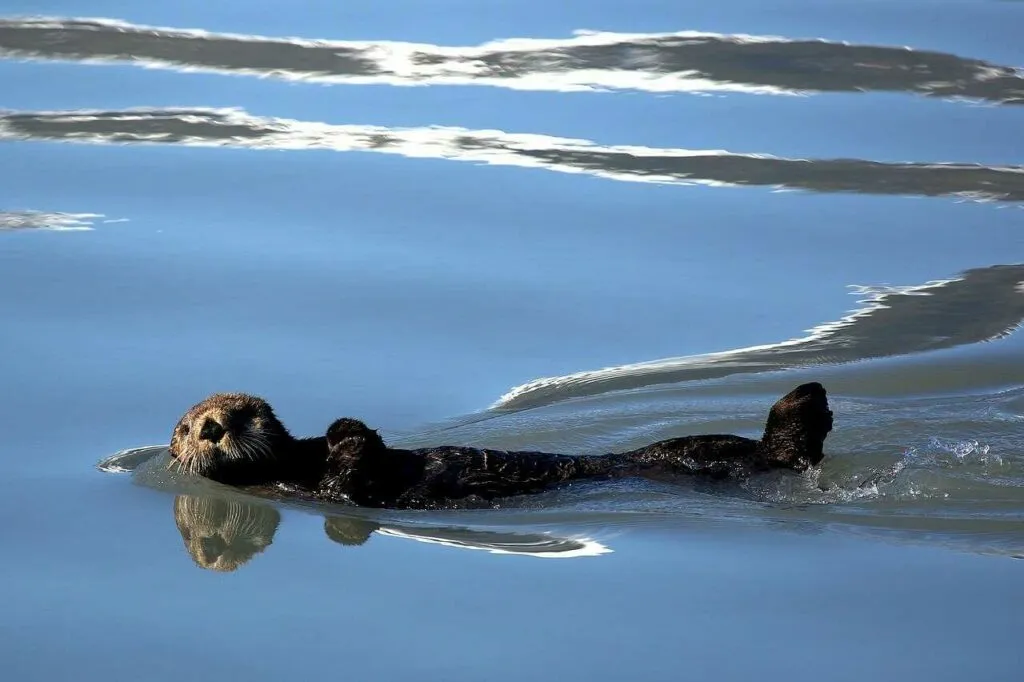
(688, 61)
(980, 305)
(202, 127)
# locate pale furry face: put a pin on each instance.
(225, 429)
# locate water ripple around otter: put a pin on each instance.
(961, 485)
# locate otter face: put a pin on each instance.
(225, 430)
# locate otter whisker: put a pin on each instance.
(257, 445)
(180, 465)
(227, 447)
(262, 444)
(258, 452)
(194, 465)
(238, 449)
(249, 448)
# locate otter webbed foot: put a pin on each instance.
(794, 435)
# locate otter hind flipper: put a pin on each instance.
(796, 429)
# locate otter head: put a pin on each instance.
(797, 426)
(226, 433)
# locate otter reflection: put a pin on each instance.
(222, 534)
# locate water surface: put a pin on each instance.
(577, 228)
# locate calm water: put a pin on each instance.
(572, 226)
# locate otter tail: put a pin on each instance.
(797, 426)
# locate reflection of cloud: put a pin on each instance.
(654, 62)
(980, 305)
(40, 220)
(235, 128)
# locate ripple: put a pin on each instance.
(980, 305)
(684, 61)
(211, 127)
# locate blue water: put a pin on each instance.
(455, 246)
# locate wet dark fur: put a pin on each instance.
(352, 462)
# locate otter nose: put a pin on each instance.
(211, 431)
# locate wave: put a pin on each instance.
(684, 61)
(980, 305)
(211, 127)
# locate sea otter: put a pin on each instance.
(236, 439)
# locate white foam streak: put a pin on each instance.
(587, 547)
(42, 220)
